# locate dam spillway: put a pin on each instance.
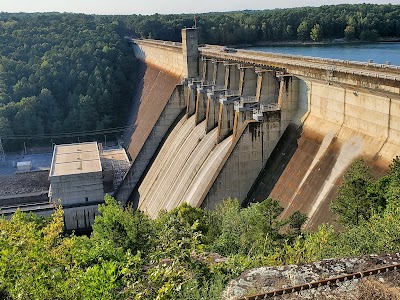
(184, 166)
(250, 126)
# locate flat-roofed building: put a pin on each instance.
(76, 180)
(79, 176)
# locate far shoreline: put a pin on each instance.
(296, 43)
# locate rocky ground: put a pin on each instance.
(382, 286)
(23, 183)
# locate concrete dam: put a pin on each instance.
(213, 122)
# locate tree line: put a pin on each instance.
(365, 22)
(189, 253)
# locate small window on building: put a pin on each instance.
(86, 199)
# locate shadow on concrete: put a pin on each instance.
(275, 165)
(152, 94)
(135, 103)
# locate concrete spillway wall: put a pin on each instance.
(183, 168)
(244, 160)
(166, 56)
(214, 151)
(179, 59)
(202, 165)
(191, 167)
(160, 101)
(309, 162)
(255, 141)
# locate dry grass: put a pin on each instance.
(377, 290)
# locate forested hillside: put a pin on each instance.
(360, 21)
(189, 253)
(62, 73)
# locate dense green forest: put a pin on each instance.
(62, 73)
(189, 253)
(359, 21)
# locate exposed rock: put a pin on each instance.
(265, 279)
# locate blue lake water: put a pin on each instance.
(379, 52)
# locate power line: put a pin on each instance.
(67, 134)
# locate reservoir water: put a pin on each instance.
(380, 52)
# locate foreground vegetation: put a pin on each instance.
(129, 256)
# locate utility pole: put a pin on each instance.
(2, 155)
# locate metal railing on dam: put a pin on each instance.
(176, 46)
(297, 64)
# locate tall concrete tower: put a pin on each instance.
(190, 48)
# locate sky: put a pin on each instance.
(110, 7)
